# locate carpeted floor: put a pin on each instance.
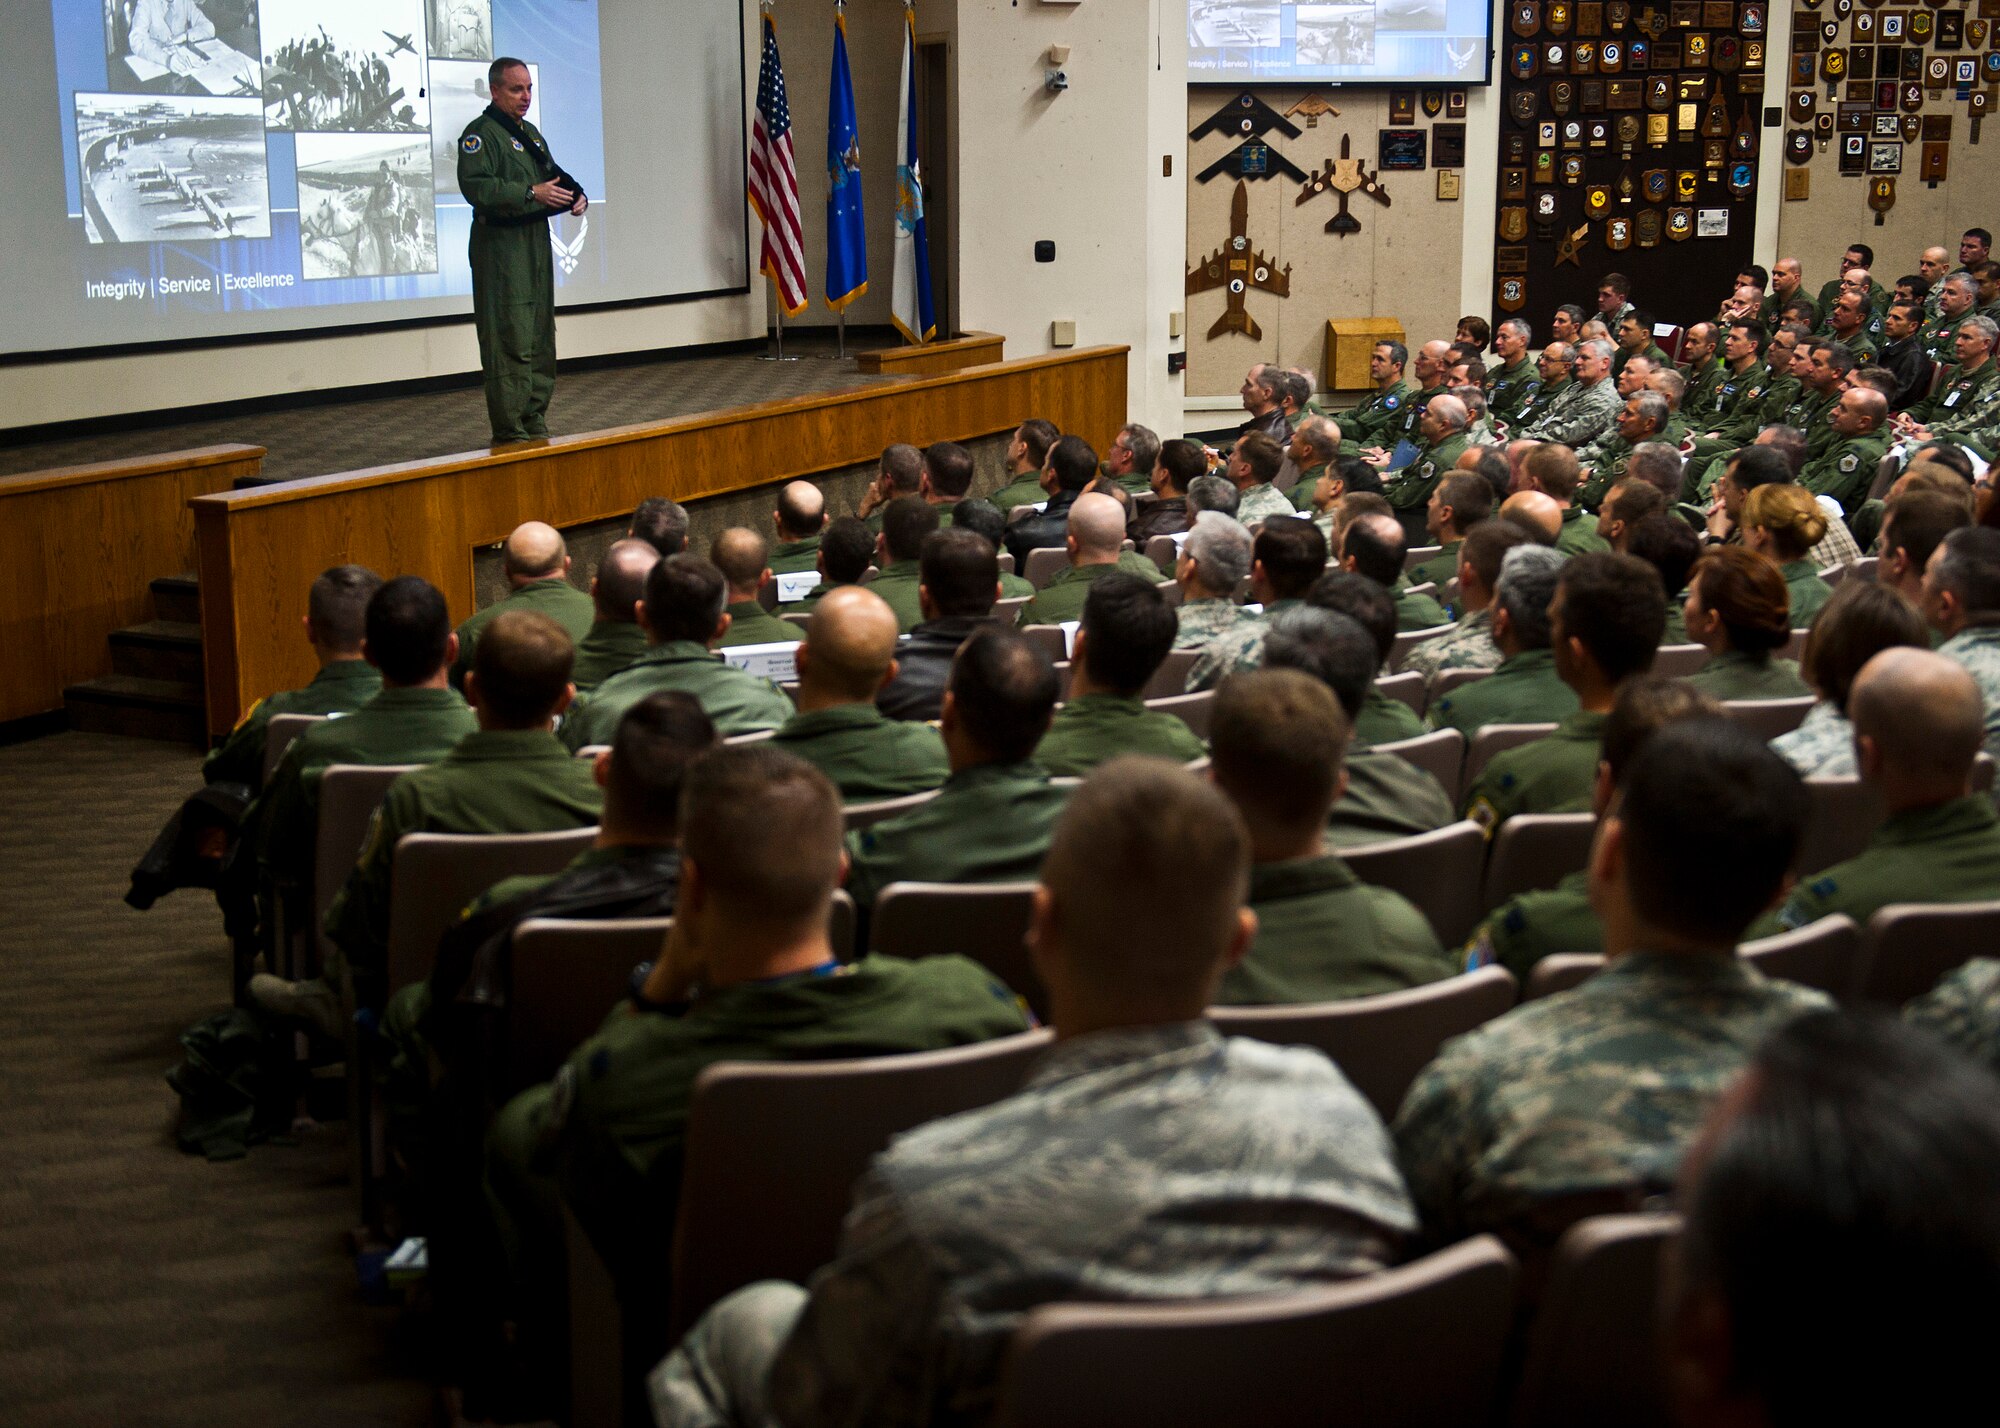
(139, 1285)
(374, 431)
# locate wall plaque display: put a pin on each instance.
(1885, 158)
(1402, 149)
(1402, 106)
(1448, 146)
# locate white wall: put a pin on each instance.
(1082, 168)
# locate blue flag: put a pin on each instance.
(846, 239)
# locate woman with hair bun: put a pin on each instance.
(1783, 522)
(1738, 606)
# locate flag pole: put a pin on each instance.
(840, 337)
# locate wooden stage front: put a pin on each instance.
(257, 550)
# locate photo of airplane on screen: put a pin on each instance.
(461, 29)
(1334, 36)
(182, 47)
(367, 206)
(1417, 15)
(1233, 24)
(353, 67)
(159, 168)
(458, 93)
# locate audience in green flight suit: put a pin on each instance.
(1525, 687)
(335, 624)
(615, 639)
(1126, 632)
(743, 558)
(683, 617)
(1605, 624)
(1027, 453)
(1670, 546)
(846, 551)
(1279, 740)
(1533, 925)
(1782, 522)
(1381, 718)
(1386, 795)
(1373, 546)
(799, 521)
(1738, 606)
(1919, 722)
(848, 654)
(905, 522)
(536, 564)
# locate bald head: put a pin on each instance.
(1450, 412)
(535, 551)
(621, 580)
(801, 511)
(1537, 509)
(741, 555)
(1869, 405)
(1097, 525)
(849, 650)
(1919, 721)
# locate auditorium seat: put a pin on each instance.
(1679, 661)
(1795, 647)
(862, 815)
(1768, 718)
(278, 736)
(348, 797)
(1193, 710)
(435, 875)
(774, 1149)
(1910, 945)
(986, 922)
(1825, 954)
(1408, 640)
(1438, 871)
(801, 618)
(1049, 639)
(1441, 754)
(567, 975)
(1409, 688)
(1592, 1354)
(1171, 677)
(1560, 971)
(1864, 568)
(1380, 1042)
(1416, 555)
(1533, 851)
(1008, 611)
(1497, 739)
(758, 736)
(1045, 564)
(1411, 1347)
(1429, 587)
(1163, 552)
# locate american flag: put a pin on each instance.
(774, 180)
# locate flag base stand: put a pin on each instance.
(777, 348)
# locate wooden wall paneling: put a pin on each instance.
(79, 547)
(260, 548)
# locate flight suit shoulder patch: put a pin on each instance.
(1824, 887)
(518, 145)
(1389, 404)
(1849, 462)
(470, 143)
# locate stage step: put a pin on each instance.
(141, 708)
(159, 649)
(177, 598)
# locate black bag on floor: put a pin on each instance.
(237, 1086)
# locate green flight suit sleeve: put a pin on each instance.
(494, 187)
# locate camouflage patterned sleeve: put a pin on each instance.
(864, 1349)
(1438, 1133)
(1964, 1009)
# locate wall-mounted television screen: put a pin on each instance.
(1373, 42)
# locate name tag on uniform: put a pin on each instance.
(1069, 629)
(1952, 400)
(796, 585)
(774, 661)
